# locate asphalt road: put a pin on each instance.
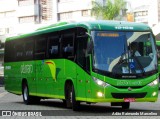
(50, 108)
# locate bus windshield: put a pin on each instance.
(124, 52)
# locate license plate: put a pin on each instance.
(129, 99)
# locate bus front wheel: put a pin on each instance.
(71, 98)
(75, 104)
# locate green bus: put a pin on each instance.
(158, 48)
(90, 62)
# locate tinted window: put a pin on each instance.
(9, 51)
(53, 46)
(68, 44)
(40, 47)
(29, 48)
(19, 51)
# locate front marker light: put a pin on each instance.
(99, 94)
(154, 93)
(100, 82)
(153, 83)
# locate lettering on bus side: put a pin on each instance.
(124, 27)
(26, 69)
(7, 67)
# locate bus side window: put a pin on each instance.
(9, 52)
(19, 50)
(29, 48)
(40, 47)
(68, 44)
(53, 46)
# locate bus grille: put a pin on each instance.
(128, 95)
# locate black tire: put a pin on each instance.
(64, 102)
(25, 92)
(75, 104)
(125, 105)
(27, 99)
(70, 98)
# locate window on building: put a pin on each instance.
(10, 14)
(65, 16)
(85, 13)
(64, 0)
(7, 30)
(27, 19)
(2, 31)
(141, 13)
(25, 2)
(2, 14)
(46, 9)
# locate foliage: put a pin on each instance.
(107, 11)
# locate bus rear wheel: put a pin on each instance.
(125, 105)
(27, 99)
(25, 93)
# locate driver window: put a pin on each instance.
(81, 45)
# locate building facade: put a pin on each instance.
(73, 10)
(7, 18)
(154, 13)
(141, 14)
(148, 14)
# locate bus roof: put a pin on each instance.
(90, 25)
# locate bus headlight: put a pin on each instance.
(153, 83)
(100, 82)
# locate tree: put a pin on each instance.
(107, 11)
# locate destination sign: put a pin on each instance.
(108, 34)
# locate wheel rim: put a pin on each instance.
(71, 97)
(25, 93)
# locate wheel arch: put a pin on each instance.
(68, 82)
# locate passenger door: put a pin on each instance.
(83, 82)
